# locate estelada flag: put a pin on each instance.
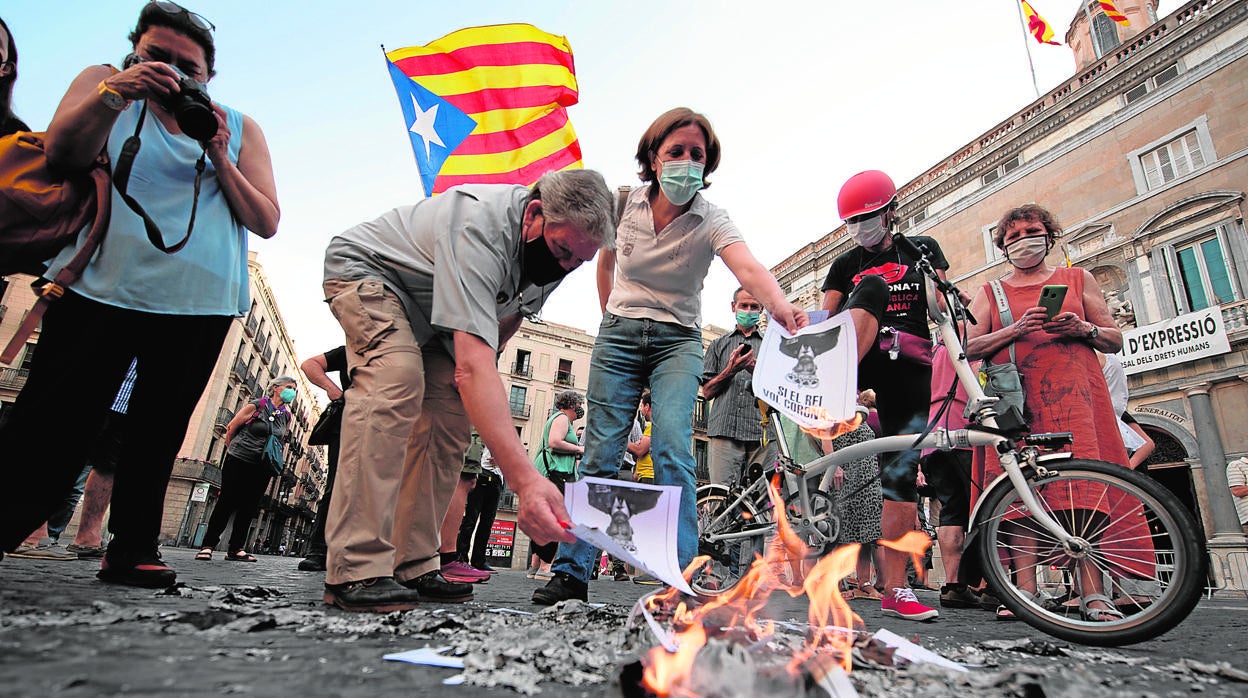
(1037, 25)
(1113, 13)
(488, 105)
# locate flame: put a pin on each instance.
(787, 566)
(830, 428)
(915, 543)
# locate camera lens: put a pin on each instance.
(195, 119)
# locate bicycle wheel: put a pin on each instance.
(1135, 543)
(729, 559)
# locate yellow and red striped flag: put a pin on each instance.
(1037, 25)
(1113, 13)
(488, 105)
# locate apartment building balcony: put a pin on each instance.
(520, 411)
(13, 378)
(522, 369)
(250, 325)
(238, 372)
(223, 420)
(197, 470)
(565, 378)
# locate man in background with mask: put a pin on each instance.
(727, 379)
(427, 294)
(898, 367)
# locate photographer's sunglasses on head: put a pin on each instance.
(174, 9)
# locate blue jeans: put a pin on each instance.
(630, 355)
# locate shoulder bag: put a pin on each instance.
(329, 426)
(1003, 380)
(42, 211)
(271, 456)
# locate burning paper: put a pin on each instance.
(812, 376)
(634, 522)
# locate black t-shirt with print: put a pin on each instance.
(907, 291)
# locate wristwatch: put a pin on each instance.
(112, 98)
(1094, 332)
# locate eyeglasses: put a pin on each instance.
(174, 9)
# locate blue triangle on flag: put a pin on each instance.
(435, 126)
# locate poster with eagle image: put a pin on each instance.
(810, 377)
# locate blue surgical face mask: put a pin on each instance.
(287, 395)
(680, 180)
(747, 319)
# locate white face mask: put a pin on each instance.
(869, 232)
(1026, 253)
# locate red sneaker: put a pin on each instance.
(903, 604)
(464, 574)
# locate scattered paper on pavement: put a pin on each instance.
(428, 656)
(914, 653)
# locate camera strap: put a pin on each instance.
(121, 180)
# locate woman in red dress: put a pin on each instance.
(1065, 391)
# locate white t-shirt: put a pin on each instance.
(1237, 476)
(660, 276)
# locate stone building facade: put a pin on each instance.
(1143, 157)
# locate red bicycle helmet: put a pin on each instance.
(865, 192)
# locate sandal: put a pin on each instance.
(1004, 613)
(869, 591)
(240, 556)
(204, 554)
(1098, 615)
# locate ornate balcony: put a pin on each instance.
(13, 378)
(523, 369)
(565, 378)
(520, 411)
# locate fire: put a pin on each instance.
(915, 543)
(787, 566)
(831, 428)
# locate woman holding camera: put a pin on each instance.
(169, 312)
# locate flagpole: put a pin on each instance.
(1096, 45)
(1022, 23)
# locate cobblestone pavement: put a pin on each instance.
(262, 629)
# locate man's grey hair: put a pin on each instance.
(281, 380)
(579, 198)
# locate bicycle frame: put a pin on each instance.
(979, 404)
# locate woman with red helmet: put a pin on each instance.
(898, 366)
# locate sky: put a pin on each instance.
(802, 94)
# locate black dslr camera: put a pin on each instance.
(190, 105)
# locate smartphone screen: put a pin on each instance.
(1051, 298)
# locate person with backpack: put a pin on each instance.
(244, 473)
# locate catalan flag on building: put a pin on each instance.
(488, 105)
(1037, 25)
(1113, 13)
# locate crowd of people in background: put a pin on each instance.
(428, 294)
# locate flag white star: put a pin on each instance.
(423, 125)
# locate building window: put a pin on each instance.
(1175, 159)
(1204, 275)
(1170, 158)
(1106, 31)
(28, 355)
(1002, 170)
(516, 401)
(524, 363)
(1162, 77)
(991, 253)
(564, 376)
